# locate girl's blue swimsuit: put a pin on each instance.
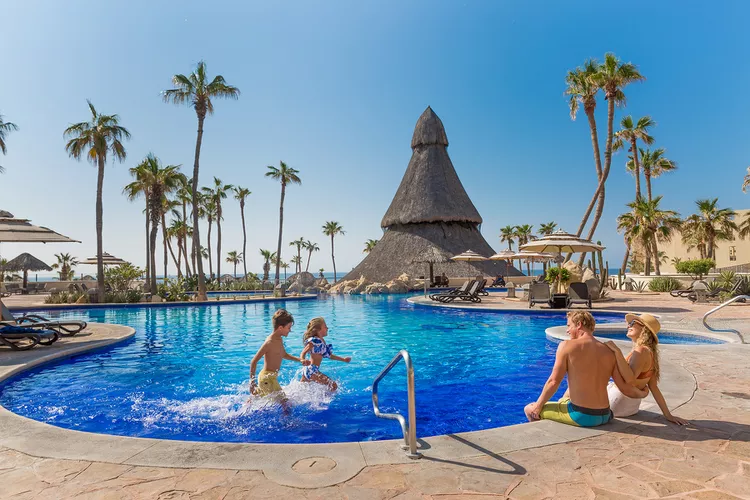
(320, 348)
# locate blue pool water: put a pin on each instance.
(664, 338)
(185, 373)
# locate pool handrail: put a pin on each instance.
(410, 430)
(728, 330)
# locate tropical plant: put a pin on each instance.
(297, 261)
(332, 228)
(65, 264)
(240, 194)
(120, 278)
(640, 286)
(96, 140)
(547, 229)
(310, 247)
(284, 265)
(207, 209)
(285, 175)
(712, 223)
(185, 196)
(233, 257)
(300, 244)
(5, 129)
(557, 276)
(630, 133)
(675, 261)
(508, 233)
(523, 233)
(726, 279)
(664, 284)
(654, 164)
(646, 224)
(745, 182)
(173, 290)
(744, 227)
(696, 268)
(196, 91)
(218, 193)
(612, 77)
(3, 263)
(268, 256)
(369, 245)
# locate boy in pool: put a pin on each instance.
(272, 351)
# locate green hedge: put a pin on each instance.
(665, 284)
(695, 268)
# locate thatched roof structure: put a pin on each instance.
(14, 230)
(26, 262)
(431, 214)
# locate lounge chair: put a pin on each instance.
(481, 290)
(13, 288)
(578, 293)
(471, 295)
(687, 291)
(66, 328)
(35, 287)
(539, 294)
(20, 338)
(715, 293)
(462, 289)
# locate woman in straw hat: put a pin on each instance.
(640, 368)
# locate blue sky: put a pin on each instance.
(334, 89)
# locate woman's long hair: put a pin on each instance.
(313, 328)
(648, 339)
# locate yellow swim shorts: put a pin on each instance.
(268, 383)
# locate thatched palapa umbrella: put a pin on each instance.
(430, 256)
(430, 209)
(14, 230)
(26, 262)
(107, 260)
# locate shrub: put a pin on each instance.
(120, 278)
(173, 290)
(664, 284)
(66, 298)
(640, 286)
(696, 268)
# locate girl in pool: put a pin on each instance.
(316, 346)
(640, 368)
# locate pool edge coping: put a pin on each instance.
(44, 440)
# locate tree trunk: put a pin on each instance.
(218, 242)
(299, 259)
(657, 264)
(99, 228)
(597, 165)
(148, 243)
(184, 238)
(196, 230)
(634, 148)
(647, 256)
(164, 244)
(624, 266)
(647, 176)
(333, 259)
(210, 259)
(309, 256)
(607, 165)
(168, 245)
(281, 228)
(235, 269)
(244, 239)
(154, 232)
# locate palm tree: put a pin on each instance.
(240, 194)
(744, 227)
(369, 245)
(284, 266)
(233, 257)
(297, 261)
(548, 228)
(185, 196)
(65, 264)
(694, 235)
(612, 77)
(196, 91)
(158, 182)
(310, 247)
(629, 134)
(654, 165)
(508, 233)
(208, 210)
(268, 256)
(95, 140)
(299, 244)
(582, 89)
(746, 182)
(178, 229)
(523, 233)
(646, 224)
(285, 175)
(218, 193)
(133, 191)
(5, 128)
(168, 205)
(717, 224)
(332, 228)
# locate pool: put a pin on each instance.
(184, 375)
(664, 337)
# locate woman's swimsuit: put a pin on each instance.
(318, 347)
(622, 405)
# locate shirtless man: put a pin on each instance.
(589, 364)
(272, 351)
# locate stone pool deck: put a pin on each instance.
(644, 457)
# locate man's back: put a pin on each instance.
(590, 365)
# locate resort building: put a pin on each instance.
(729, 255)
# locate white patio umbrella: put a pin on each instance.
(107, 260)
(559, 242)
(506, 255)
(469, 256)
(532, 257)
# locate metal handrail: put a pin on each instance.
(729, 330)
(410, 430)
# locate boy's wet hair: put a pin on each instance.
(281, 318)
(583, 318)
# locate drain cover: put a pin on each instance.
(314, 465)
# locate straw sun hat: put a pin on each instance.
(651, 322)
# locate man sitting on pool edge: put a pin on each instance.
(589, 365)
